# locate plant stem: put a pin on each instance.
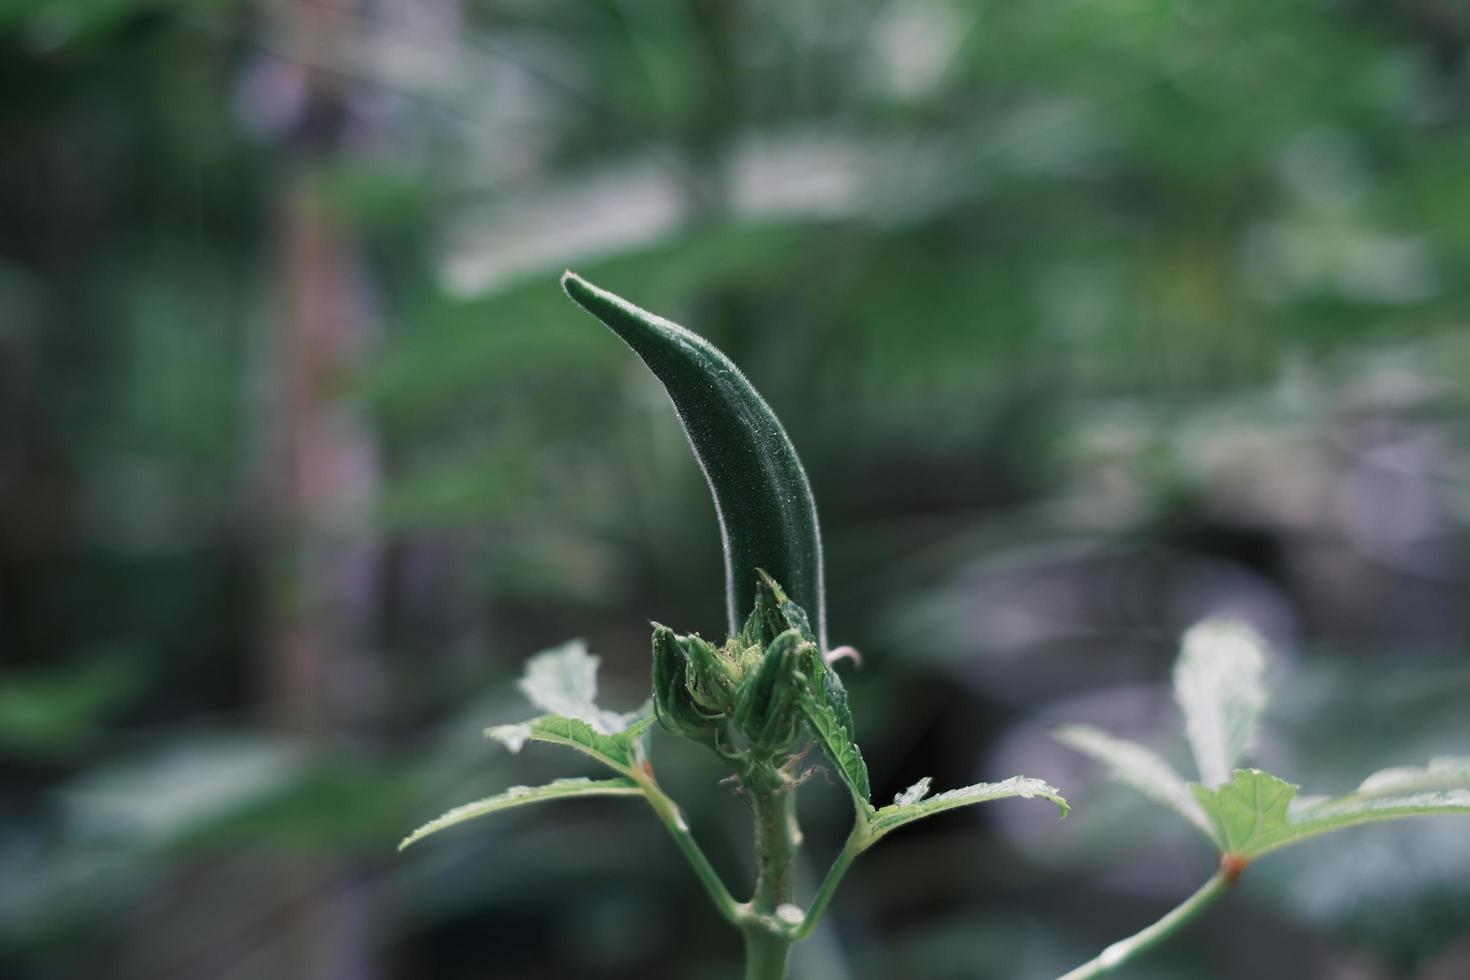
(850, 850)
(765, 954)
(668, 811)
(1125, 949)
(772, 795)
(776, 841)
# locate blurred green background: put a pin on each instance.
(1088, 319)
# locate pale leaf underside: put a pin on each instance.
(1442, 773)
(523, 796)
(1140, 768)
(618, 751)
(563, 681)
(898, 813)
(914, 793)
(1218, 684)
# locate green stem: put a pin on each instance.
(1126, 949)
(772, 795)
(850, 850)
(668, 811)
(765, 954)
(776, 840)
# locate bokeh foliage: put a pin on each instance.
(1087, 319)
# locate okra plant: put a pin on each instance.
(759, 698)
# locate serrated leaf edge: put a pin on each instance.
(889, 818)
(838, 744)
(522, 796)
(1323, 815)
(620, 751)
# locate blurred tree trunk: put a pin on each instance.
(322, 481)
(319, 652)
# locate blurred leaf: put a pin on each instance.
(1445, 773)
(1249, 812)
(92, 19)
(375, 197)
(157, 797)
(1257, 812)
(522, 796)
(1218, 683)
(1139, 767)
(466, 490)
(1443, 786)
(50, 712)
(339, 802)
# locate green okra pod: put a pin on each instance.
(768, 519)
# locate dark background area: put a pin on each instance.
(1088, 319)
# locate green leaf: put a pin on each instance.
(914, 793)
(563, 681)
(913, 804)
(1218, 683)
(1257, 812)
(620, 751)
(1247, 812)
(1141, 768)
(1441, 787)
(768, 519)
(1443, 773)
(522, 796)
(1250, 813)
(51, 711)
(824, 705)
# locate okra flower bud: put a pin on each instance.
(673, 704)
(774, 613)
(708, 676)
(768, 713)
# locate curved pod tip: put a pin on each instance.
(767, 517)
